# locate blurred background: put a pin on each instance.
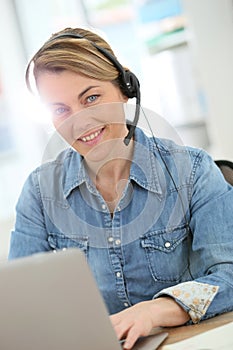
(181, 51)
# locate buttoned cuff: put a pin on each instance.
(193, 296)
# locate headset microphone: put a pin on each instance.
(133, 124)
(129, 83)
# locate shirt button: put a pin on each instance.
(64, 249)
(118, 241)
(118, 209)
(167, 244)
(126, 304)
(103, 206)
(110, 239)
(118, 274)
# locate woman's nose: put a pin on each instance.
(85, 120)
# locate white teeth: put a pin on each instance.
(91, 136)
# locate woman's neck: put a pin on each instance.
(115, 166)
(110, 176)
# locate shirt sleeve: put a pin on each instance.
(29, 235)
(210, 289)
(194, 297)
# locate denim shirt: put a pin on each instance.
(170, 234)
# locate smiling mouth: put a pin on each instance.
(91, 136)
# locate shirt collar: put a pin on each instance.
(74, 172)
(145, 165)
(143, 169)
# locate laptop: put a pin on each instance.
(51, 301)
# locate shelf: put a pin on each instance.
(166, 41)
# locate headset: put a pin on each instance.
(129, 83)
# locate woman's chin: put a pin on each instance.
(99, 153)
(102, 152)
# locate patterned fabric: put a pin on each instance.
(194, 296)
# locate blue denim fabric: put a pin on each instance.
(173, 224)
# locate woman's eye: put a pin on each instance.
(60, 111)
(92, 98)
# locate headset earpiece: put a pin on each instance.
(130, 84)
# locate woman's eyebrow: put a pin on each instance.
(56, 104)
(86, 90)
(79, 96)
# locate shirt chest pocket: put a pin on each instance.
(59, 241)
(167, 253)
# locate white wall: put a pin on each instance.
(12, 63)
(211, 29)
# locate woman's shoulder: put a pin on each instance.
(66, 162)
(49, 179)
(167, 146)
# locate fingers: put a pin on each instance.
(127, 330)
(120, 324)
(133, 334)
(130, 324)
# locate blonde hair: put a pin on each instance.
(74, 54)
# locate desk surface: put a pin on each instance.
(183, 332)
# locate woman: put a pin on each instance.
(153, 218)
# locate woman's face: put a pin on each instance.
(87, 112)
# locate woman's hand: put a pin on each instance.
(139, 319)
